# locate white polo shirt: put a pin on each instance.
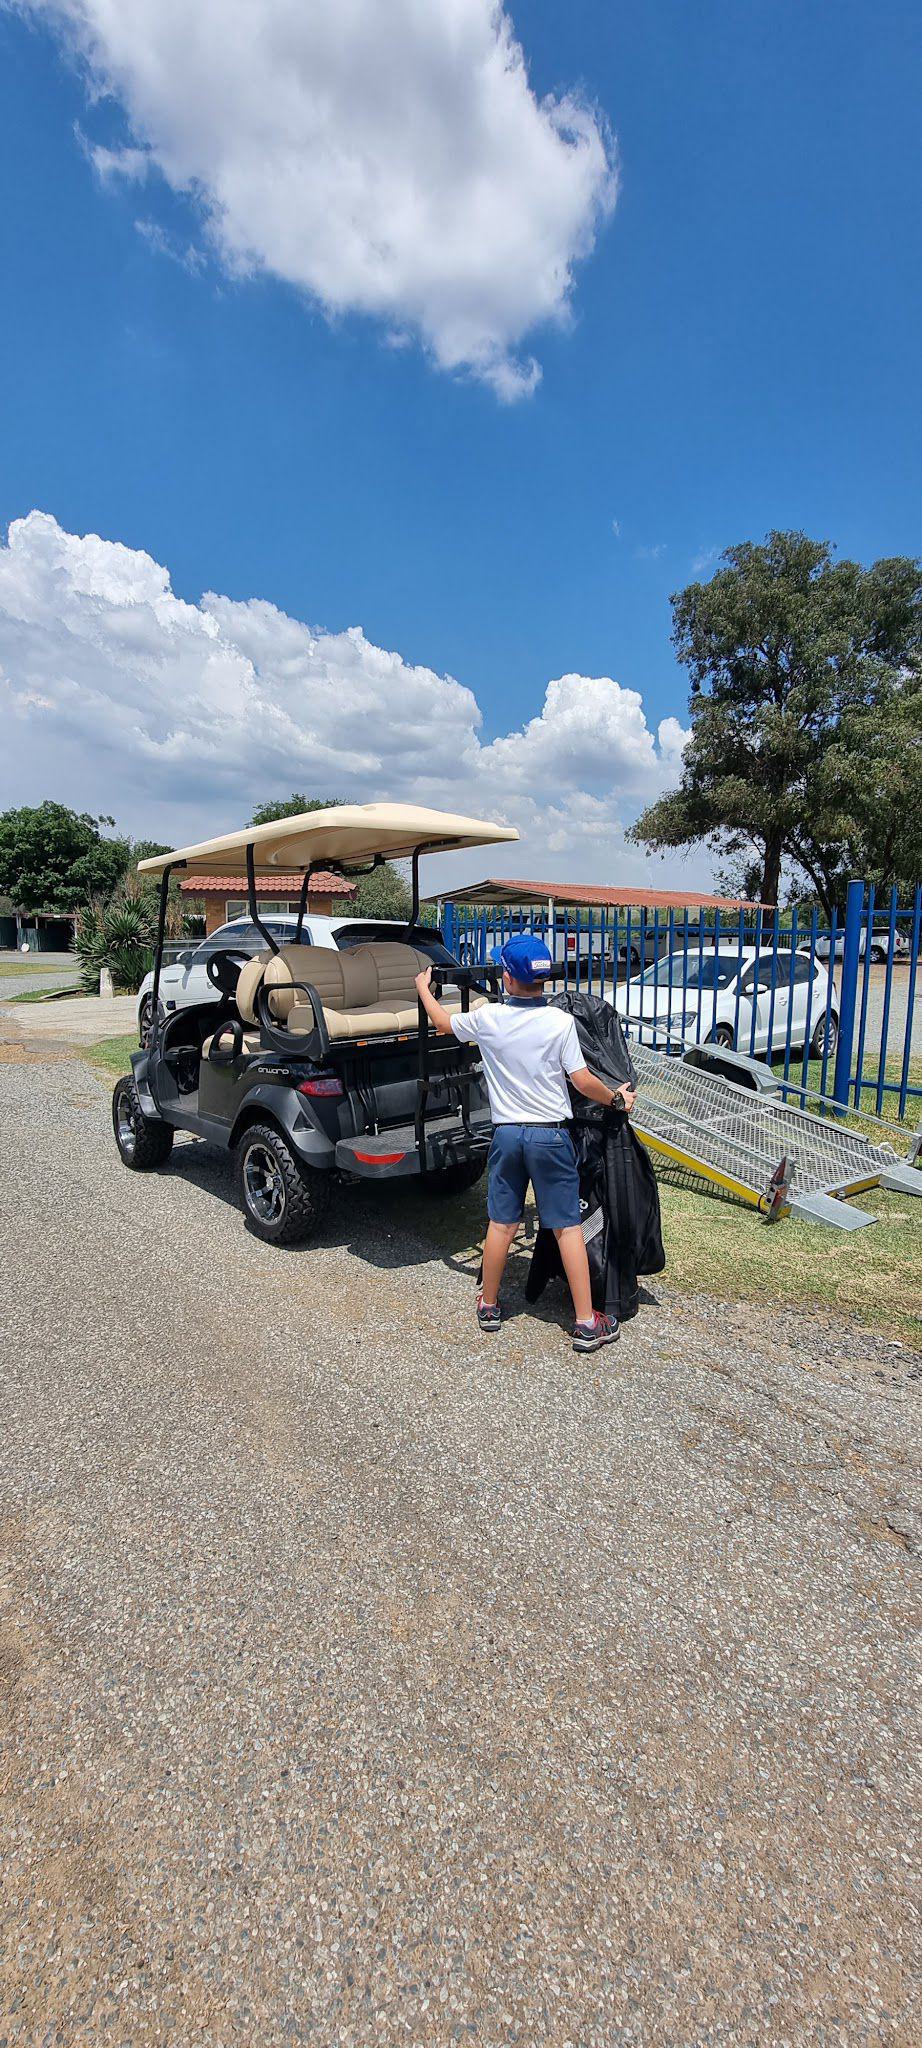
(527, 1051)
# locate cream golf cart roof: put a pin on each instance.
(343, 835)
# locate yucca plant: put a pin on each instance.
(121, 933)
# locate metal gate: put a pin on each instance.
(859, 1044)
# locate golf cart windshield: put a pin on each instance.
(711, 970)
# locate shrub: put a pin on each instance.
(121, 933)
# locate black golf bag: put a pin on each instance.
(619, 1199)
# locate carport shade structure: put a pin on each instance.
(579, 895)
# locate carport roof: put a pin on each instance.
(504, 891)
(266, 885)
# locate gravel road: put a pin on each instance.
(363, 1681)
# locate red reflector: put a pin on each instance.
(571, 944)
(321, 1084)
(380, 1158)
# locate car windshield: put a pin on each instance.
(424, 939)
(707, 970)
(244, 937)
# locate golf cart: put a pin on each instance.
(316, 1063)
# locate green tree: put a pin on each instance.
(806, 695)
(383, 893)
(147, 849)
(52, 858)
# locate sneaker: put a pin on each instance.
(591, 1336)
(489, 1318)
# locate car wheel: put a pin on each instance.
(879, 954)
(723, 1035)
(455, 1180)
(825, 1037)
(145, 1022)
(283, 1201)
(143, 1141)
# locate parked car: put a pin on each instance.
(184, 981)
(880, 945)
(725, 997)
(586, 949)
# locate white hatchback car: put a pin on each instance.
(184, 980)
(725, 997)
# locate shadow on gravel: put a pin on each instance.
(392, 1225)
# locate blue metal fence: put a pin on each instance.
(836, 1007)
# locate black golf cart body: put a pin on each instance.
(316, 1063)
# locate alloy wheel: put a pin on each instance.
(126, 1125)
(264, 1186)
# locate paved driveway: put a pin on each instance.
(78, 1020)
(365, 1681)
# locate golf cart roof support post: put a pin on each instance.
(161, 928)
(302, 902)
(414, 905)
(426, 846)
(252, 904)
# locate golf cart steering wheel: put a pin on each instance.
(223, 969)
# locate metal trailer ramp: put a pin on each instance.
(776, 1158)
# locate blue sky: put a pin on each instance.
(742, 352)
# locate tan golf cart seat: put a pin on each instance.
(367, 991)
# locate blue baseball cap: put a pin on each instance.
(524, 957)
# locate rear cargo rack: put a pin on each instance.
(458, 1086)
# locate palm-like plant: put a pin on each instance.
(120, 933)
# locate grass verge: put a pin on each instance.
(43, 995)
(10, 968)
(893, 1073)
(715, 1246)
(112, 1055)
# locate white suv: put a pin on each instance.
(725, 996)
(184, 980)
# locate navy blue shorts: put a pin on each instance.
(543, 1154)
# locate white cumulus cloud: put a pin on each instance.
(178, 718)
(389, 159)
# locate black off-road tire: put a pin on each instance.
(143, 1141)
(825, 1036)
(283, 1201)
(455, 1180)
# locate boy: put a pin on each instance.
(528, 1052)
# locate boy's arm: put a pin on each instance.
(599, 1091)
(433, 1008)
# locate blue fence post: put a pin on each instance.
(854, 910)
(448, 926)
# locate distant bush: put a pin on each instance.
(120, 933)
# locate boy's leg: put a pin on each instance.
(555, 1179)
(495, 1253)
(506, 1187)
(576, 1266)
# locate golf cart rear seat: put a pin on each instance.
(366, 991)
